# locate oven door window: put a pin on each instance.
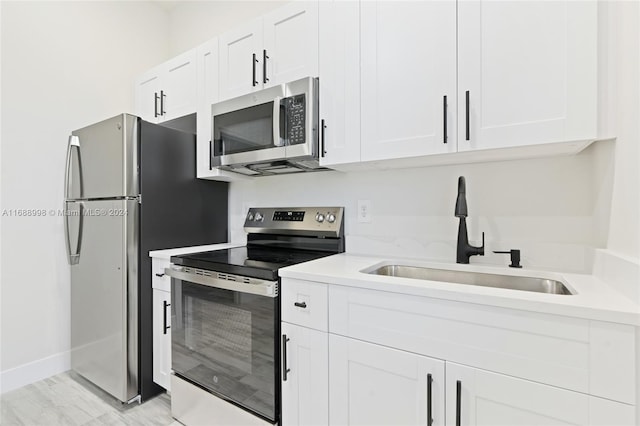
(248, 129)
(225, 342)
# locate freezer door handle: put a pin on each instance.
(74, 256)
(74, 143)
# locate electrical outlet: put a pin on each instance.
(364, 211)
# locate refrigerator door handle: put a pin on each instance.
(74, 257)
(74, 142)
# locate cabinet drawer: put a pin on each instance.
(304, 303)
(159, 280)
(577, 354)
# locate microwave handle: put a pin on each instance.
(276, 121)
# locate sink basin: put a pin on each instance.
(539, 285)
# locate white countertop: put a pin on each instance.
(593, 298)
(167, 253)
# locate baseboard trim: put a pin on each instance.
(31, 372)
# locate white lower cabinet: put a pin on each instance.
(162, 338)
(478, 397)
(304, 376)
(393, 359)
(375, 385)
(161, 335)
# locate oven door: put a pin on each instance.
(223, 338)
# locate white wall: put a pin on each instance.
(624, 54)
(64, 65)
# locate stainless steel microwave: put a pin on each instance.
(268, 132)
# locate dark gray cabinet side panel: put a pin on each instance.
(177, 210)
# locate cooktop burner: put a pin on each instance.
(258, 262)
(277, 237)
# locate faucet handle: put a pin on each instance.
(515, 257)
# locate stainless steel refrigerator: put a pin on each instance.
(130, 187)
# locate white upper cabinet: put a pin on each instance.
(529, 72)
(180, 86)
(339, 69)
(240, 60)
(147, 90)
(514, 74)
(169, 90)
(408, 57)
(280, 47)
(208, 93)
(290, 47)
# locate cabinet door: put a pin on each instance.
(408, 68)
(179, 86)
(339, 82)
(529, 69)
(162, 338)
(375, 385)
(305, 387)
(478, 397)
(207, 61)
(147, 92)
(240, 71)
(290, 43)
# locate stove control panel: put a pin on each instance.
(307, 221)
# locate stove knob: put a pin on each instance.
(331, 218)
(259, 217)
(320, 217)
(250, 216)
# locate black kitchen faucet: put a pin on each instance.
(464, 250)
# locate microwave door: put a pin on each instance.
(249, 135)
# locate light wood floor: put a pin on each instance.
(68, 400)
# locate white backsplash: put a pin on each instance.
(548, 208)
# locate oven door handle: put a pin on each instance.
(254, 286)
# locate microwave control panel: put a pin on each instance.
(295, 108)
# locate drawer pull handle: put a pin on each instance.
(302, 305)
(159, 275)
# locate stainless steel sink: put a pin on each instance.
(539, 285)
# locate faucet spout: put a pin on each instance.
(464, 250)
(461, 201)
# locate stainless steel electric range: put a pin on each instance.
(225, 316)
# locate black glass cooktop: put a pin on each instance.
(257, 262)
